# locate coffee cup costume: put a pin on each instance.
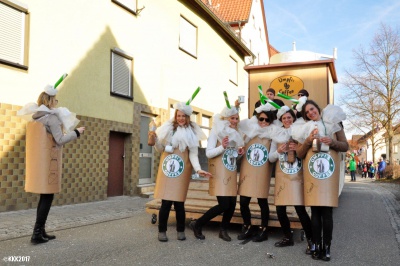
(255, 170)
(222, 166)
(176, 165)
(321, 169)
(49, 130)
(222, 162)
(289, 185)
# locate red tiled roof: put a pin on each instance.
(272, 51)
(230, 10)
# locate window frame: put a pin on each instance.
(181, 17)
(236, 70)
(125, 55)
(25, 32)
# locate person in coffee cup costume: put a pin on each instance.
(178, 140)
(225, 144)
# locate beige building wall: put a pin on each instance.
(76, 37)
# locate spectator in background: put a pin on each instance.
(270, 93)
(381, 168)
(353, 167)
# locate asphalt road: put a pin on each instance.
(365, 233)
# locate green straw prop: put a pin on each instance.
(284, 96)
(273, 104)
(263, 98)
(193, 96)
(60, 80)
(227, 100)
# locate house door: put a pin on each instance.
(145, 153)
(116, 157)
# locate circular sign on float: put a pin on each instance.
(289, 85)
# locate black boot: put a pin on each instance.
(286, 241)
(326, 252)
(310, 247)
(262, 234)
(316, 255)
(223, 234)
(246, 232)
(196, 230)
(37, 236)
(45, 235)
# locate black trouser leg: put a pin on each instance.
(304, 220)
(264, 207)
(224, 206)
(43, 209)
(283, 220)
(327, 224)
(164, 215)
(180, 215)
(245, 209)
(316, 222)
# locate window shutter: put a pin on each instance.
(12, 29)
(121, 75)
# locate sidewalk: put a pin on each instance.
(20, 223)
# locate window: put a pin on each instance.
(188, 37)
(121, 74)
(130, 5)
(396, 148)
(233, 72)
(14, 34)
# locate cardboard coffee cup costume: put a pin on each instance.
(43, 154)
(223, 166)
(255, 170)
(289, 184)
(321, 168)
(179, 155)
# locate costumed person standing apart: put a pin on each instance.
(225, 144)
(50, 129)
(321, 138)
(289, 183)
(178, 139)
(255, 170)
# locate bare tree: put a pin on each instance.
(373, 85)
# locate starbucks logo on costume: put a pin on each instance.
(173, 166)
(321, 165)
(257, 154)
(290, 168)
(229, 159)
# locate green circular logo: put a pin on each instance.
(289, 168)
(173, 165)
(257, 155)
(321, 165)
(229, 159)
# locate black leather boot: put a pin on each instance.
(286, 241)
(326, 252)
(37, 236)
(246, 232)
(45, 235)
(223, 234)
(196, 230)
(310, 247)
(316, 255)
(262, 234)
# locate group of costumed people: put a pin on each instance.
(303, 141)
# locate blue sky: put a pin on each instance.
(320, 25)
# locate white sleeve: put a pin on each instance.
(158, 146)
(273, 152)
(212, 149)
(194, 158)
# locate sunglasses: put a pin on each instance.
(261, 119)
(300, 95)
